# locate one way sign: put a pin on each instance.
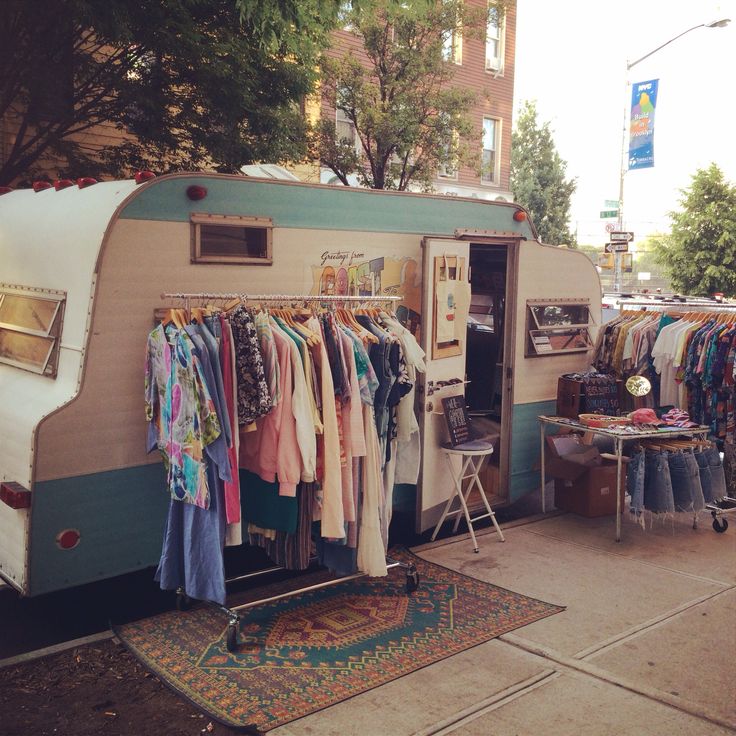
(620, 237)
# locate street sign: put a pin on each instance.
(608, 213)
(620, 237)
(617, 247)
(610, 227)
(610, 204)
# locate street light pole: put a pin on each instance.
(624, 157)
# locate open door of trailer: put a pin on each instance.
(444, 342)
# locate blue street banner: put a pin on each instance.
(641, 128)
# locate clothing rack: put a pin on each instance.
(182, 600)
(694, 305)
(328, 298)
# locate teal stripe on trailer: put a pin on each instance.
(322, 208)
(119, 514)
(525, 447)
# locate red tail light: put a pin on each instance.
(15, 495)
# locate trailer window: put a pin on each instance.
(30, 328)
(231, 239)
(556, 327)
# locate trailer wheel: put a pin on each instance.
(412, 579)
(232, 636)
(720, 525)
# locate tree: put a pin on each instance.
(538, 178)
(700, 252)
(198, 83)
(403, 118)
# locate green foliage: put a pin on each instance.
(407, 118)
(199, 83)
(538, 178)
(700, 252)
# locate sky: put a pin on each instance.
(571, 57)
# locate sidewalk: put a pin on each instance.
(647, 644)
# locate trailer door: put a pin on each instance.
(443, 260)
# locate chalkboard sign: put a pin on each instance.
(456, 416)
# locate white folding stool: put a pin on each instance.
(472, 455)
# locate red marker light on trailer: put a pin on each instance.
(142, 176)
(63, 184)
(68, 539)
(15, 495)
(86, 181)
(196, 192)
(39, 186)
(519, 215)
(6, 190)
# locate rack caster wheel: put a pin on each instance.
(720, 525)
(412, 579)
(183, 601)
(232, 636)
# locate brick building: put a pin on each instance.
(484, 65)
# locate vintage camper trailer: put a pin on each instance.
(82, 271)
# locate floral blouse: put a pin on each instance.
(254, 399)
(180, 411)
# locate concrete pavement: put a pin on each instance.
(646, 645)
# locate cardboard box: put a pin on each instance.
(592, 493)
(568, 458)
(585, 482)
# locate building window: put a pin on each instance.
(452, 46)
(231, 239)
(30, 328)
(490, 161)
(343, 15)
(448, 169)
(495, 32)
(344, 127)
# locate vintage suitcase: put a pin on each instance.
(591, 393)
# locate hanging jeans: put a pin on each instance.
(635, 482)
(704, 469)
(712, 477)
(658, 496)
(685, 476)
(729, 468)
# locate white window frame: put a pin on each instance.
(495, 40)
(449, 171)
(495, 174)
(342, 117)
(452, 47)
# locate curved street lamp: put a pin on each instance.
(630, 65)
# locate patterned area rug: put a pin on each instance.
(314, 649)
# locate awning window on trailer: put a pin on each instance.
(30, 325)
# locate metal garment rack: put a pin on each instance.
(618, 438)
(412, 576)
(284, 298)
(692, 305)
(662, 305)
